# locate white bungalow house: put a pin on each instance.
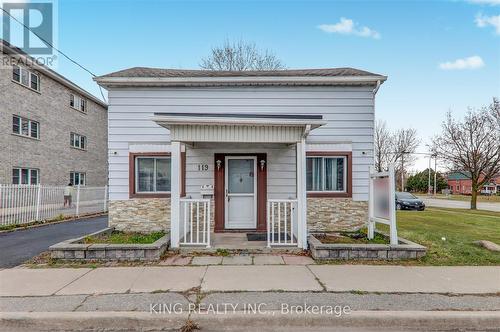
(214, 155)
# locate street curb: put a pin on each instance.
(245, 321)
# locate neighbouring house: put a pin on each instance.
(461, 183)
(52, 131)
(201, 153)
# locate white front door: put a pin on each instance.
(241, 192)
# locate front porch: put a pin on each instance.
(244, 185)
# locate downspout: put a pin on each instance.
(376, 88)
(307, 130)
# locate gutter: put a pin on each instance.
(291, 80)
(377, 87)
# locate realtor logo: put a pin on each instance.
(29, 26)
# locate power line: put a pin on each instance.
(59, 51)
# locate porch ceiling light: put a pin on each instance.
(262, 164)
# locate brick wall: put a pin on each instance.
(52, 153)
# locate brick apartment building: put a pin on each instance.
(52, 131)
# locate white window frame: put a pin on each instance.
(74, 137)
(30, 171)
(30, 122)
(29, 74)
(136, 174)
(78, 102)
(72, 178)
(323, 177)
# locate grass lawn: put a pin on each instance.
(460, 228)
(124, 238)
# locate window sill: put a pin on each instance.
(23, 136)
(328, 194)
(149, 195)
(79, 149)
(27, 87)
(76, 109)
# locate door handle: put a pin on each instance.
(227, 196)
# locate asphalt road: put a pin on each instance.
(18, 246)
(448, 203)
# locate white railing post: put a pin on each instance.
(77, 212)
(392, 206)
(371, 224)
(38, 199)
(208, 212)
(105, 203)
(268, 226)
(175, 191)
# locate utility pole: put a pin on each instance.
(435, 174)
(429, 180)
(402, 172)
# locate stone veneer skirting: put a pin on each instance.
(145, 215)
(142, 215)
(325, 214)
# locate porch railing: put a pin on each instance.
(282, 225)
(194, 222)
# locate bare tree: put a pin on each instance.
(395, 148)
(241, 56)
(383, 146)
(472, 146)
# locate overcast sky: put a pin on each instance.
(438, 55)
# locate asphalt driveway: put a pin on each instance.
(19, 246)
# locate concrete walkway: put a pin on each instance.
(222, 278)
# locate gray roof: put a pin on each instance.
(161, 72)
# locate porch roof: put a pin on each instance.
(245, 128)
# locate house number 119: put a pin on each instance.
(202, 167)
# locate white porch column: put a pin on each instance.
(175, 193)
(301, 195)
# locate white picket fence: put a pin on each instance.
(22, 204)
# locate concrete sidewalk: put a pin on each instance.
(19, 282)
(454, 204)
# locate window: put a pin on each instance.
(152, 174)
(78, 141)
(78, 103)
(328, 174)
(24, 127)
(77, 178)
(25, 77)
(25, 176)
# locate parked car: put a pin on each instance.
(408, 201)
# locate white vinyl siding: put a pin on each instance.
(349, 113)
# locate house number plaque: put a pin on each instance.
(202, 167)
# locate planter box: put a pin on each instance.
(404, 250)
(75, 249)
